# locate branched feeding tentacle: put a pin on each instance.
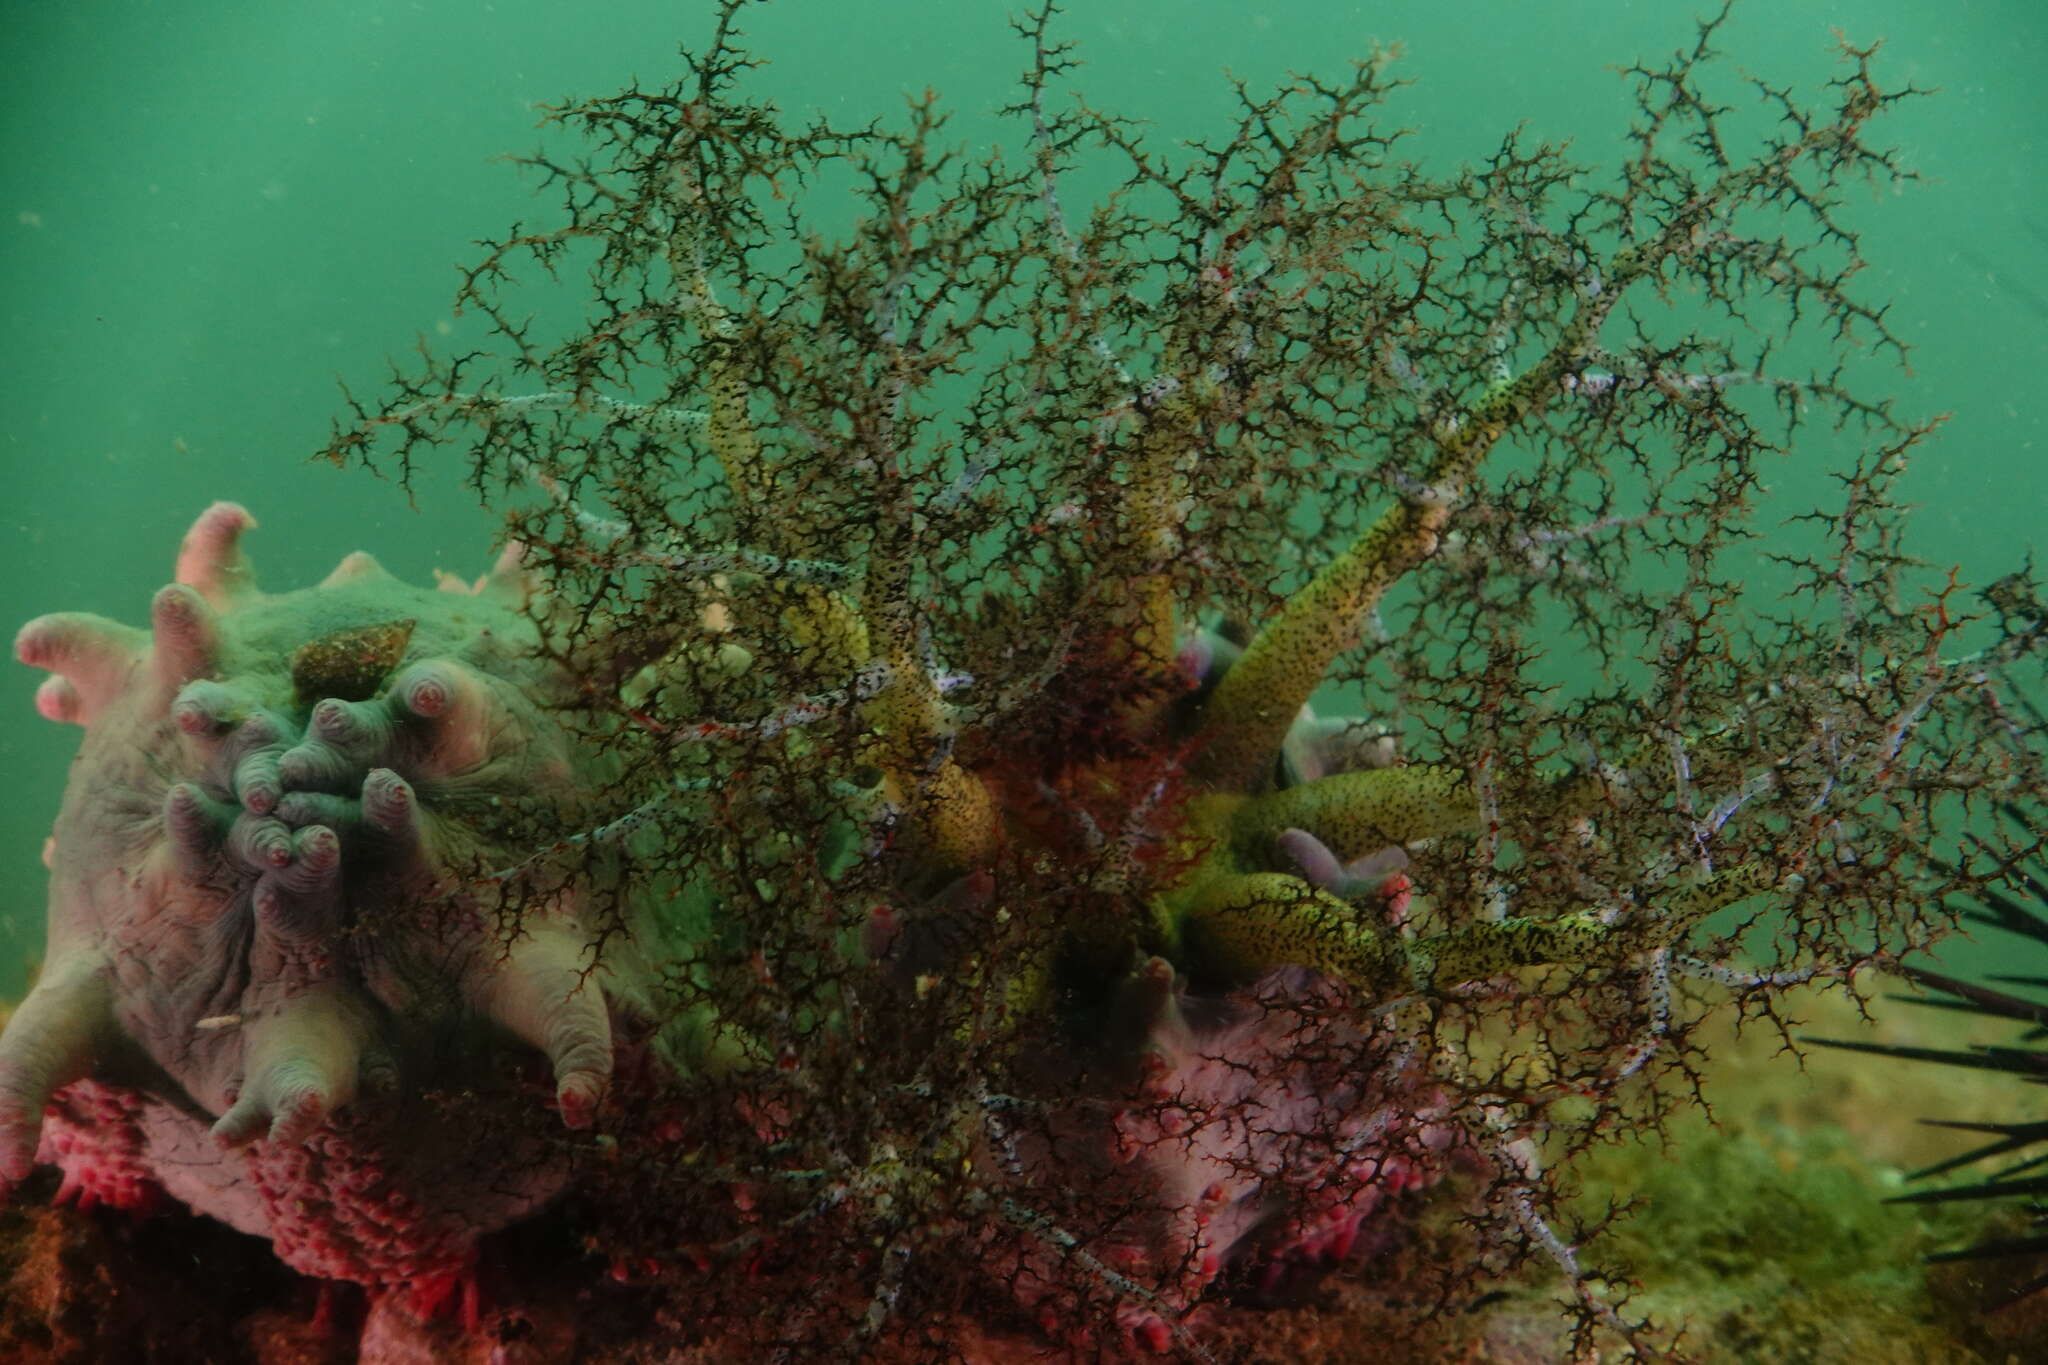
(971, 614)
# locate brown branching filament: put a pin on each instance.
(986, 586)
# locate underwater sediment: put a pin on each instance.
(1011, 794)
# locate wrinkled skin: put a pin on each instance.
(258, 969)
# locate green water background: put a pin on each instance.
(212, 211)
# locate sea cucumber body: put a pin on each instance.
(272, 990)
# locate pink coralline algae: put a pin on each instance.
(257, 973)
